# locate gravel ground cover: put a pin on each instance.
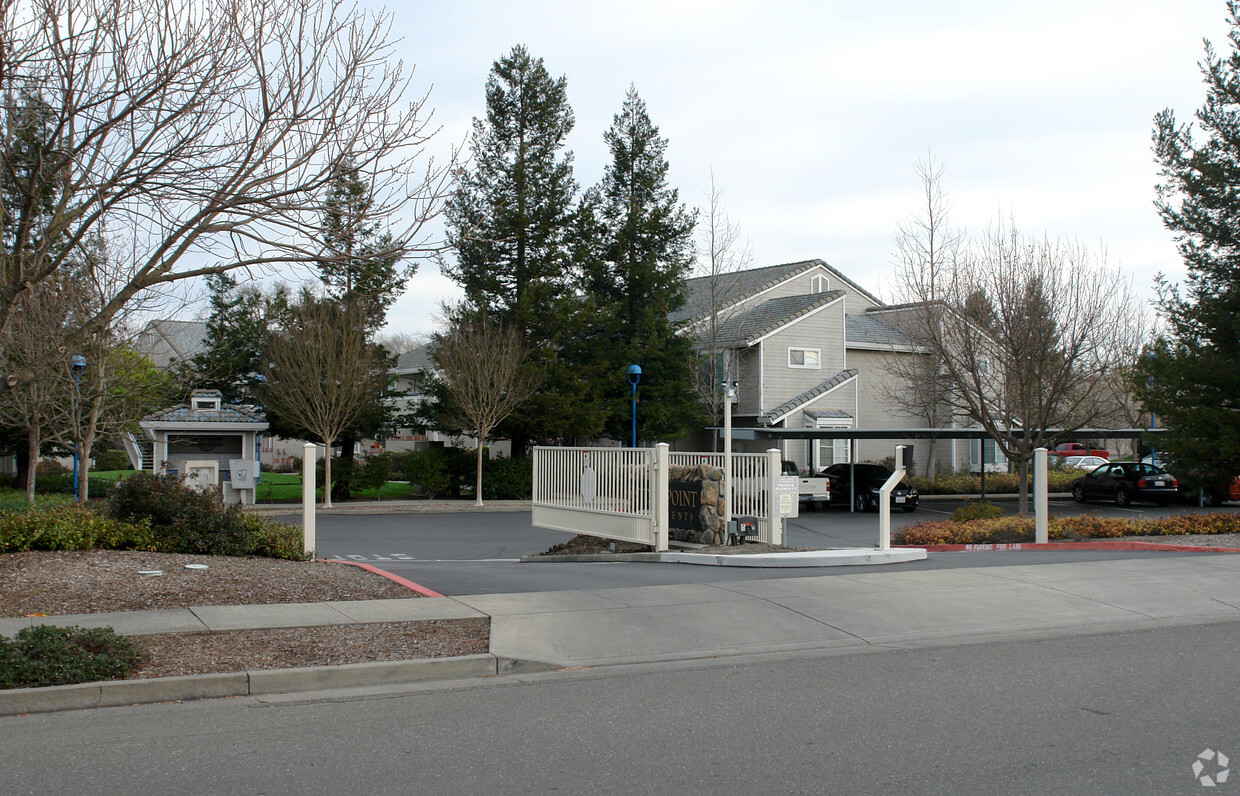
(103, 581)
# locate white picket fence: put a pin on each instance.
(621, 493)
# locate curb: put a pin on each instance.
(808, 558)
(1053, 546)
(394, 507)
(397, 579)
(113, 693)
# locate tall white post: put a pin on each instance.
(308, 457)
(774, 469)
(728, 392)
(661, 461)
(1041, 520)
(884, 501)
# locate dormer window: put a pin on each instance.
(206, 400)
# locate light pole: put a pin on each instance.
(77, 364)
(635, 375)
(729, 395)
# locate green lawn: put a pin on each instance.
(279, 487)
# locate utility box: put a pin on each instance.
(739, 528)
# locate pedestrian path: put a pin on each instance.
(854, 609)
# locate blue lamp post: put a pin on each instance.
(635, 375)
(77, 364)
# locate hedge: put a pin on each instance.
(1006, 530)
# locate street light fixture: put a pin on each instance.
(77, 364)
(635, 375)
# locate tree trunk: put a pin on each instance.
(327, 474)
(84, 471)
(32, 456)
(478, 483)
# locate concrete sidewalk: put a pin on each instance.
(851, 610)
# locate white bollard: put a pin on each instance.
(308, 461)
(1041, 533)
(774, 469)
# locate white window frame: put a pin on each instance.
(840, 450)
(817, 352)
(819, 284)
(999, 463)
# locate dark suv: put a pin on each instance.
(869, 479)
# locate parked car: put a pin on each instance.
(869, 479)
(813, 492)
(1125, 482)
(1084, 462)
(1078, 449)
(1213, 492)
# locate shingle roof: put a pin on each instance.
(417, 359)
(773, 416)
(227, 413)
(827, 414)
(186, 338)
(770, 315)
(733, 287)
(866, 329)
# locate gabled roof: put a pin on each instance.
(414, 360)
(736, 286)
(187, 339)
(750, 326)
(184, 413)
(788, 407)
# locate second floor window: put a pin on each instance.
(803, 358)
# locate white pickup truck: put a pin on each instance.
(814, 492)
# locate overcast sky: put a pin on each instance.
(812, 114)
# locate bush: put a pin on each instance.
(374, 473)
(184, 519)
(112, 460)
(45, 655)
(427, 470)
(1087, 526)
(977, 510)
(507, 479)
(967, 483)
(64, 525)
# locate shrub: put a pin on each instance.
(45, 655)
(112, 460)
(1085, 526)
(427, 470)
(374, 473)
(977, 510)
(64, 525)
(184, 519)
(504, 478)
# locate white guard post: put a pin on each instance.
(661, 463)
(774, 469)
(308, 460)
(1041, 520)
(884, 501)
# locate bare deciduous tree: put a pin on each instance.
(322, 371)
(482, 365)
(723, 253)
(1020, 334)
(199, 136)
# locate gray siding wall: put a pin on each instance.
(823, 331)
(749, 380)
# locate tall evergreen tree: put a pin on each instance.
(359, 262)
(644, 239)
(236, 335)
(511, 224)
(1190, 378)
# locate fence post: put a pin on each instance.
(308, 461)
(774, 469)
(659, 509)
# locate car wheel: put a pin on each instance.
(862, 503)
(1078, 493)
(1122, 497)
(1209, 497)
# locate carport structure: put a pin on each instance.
(768, 435)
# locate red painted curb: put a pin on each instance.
(1020, 546)
(408, 584)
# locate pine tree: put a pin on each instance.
(1190, 378)
(644, 252)
(358, 261)
(511, 224)
(236, 334)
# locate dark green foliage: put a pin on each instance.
(236, 335)
(373, 473)
(63, 525)
(438, 472)
(504, 478)
(45, 655)
(1189, 379)
(637, 241)
(109, 460)
(188, 520)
